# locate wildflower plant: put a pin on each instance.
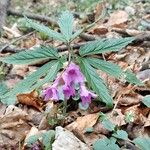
(79, 72)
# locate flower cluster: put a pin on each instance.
(67, 82)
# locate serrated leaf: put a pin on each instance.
(104, 45)
(146, 100)
(121, 134)
(142, 143)
(95, 81)
(66, 25)
(105, 144)
(42, 28)
(33, 56)
(27, 84)
(49, 76)
(110, 68)
(131, 78)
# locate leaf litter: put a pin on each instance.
(17, 122)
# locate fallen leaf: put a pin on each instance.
(118, 18)
(83, 122)
(147, 122)
(117, 118)
(130, 99)
(100, 30)
(13, 127)
(31, 99)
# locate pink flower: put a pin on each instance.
(73, 74)
(86, 95)
(68, 91)
(71, 77)
(51, 93)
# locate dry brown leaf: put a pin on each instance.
(118, 117)
(147, 123)
(100, 30)
(2, 108)
(83, 122)
(13, 127)
(117, 19)
(130, 99)
(31, 99)
(99, 9)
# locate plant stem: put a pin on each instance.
(64, 107)
(69, 53)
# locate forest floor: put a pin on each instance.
(31, 123)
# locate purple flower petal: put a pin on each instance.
(68, 91)
(51, 93)
(86, 95)
(73, 74)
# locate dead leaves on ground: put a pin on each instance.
(13, 127)
(31, 99)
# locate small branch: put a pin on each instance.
(16, 40)
(42, 18)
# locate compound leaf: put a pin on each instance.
(33, 56)
(66, 24)
(95, 81)
(108, 67)
(104, 45)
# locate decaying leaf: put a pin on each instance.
(31, 99)
(118, 18)
(13, 127)
(100, 30)
(130, 99)
(83, 122)
(147, 122)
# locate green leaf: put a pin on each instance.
(49, 76)
(142, 143)
(33, 56)
(105, 144)
(110, 68)
(89, 130)
(108, 125)
(29, 83)
(121, 134)
(129, 117)
(48, 139)
(95, 81)
(131, 78)
(3, 88)
(42, 28)
(66, 25)
(32, 139)
(104, 45)
(146, 100)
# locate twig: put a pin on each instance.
(33, 16)
(14, 41)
